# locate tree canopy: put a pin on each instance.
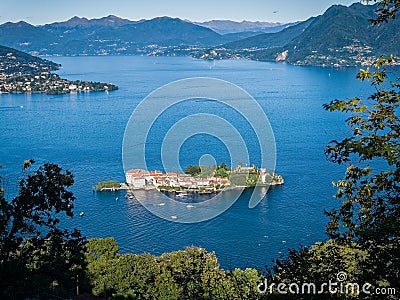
(364, 230)
(192, 273)
(386, 10)
(37, 257)
(193, 170)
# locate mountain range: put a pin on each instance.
(351, 33)
(80, 36)
(112, 35)
(275, 39)
(341, 36)
(227, 26)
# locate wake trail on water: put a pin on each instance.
(11, 107)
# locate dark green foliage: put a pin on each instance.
(386, 10)
(222, 166)
(320, 263)
(108, 184)
(193, 170)
(190, 274)
(37, 258)
(370, 192)
(221, 172)
(103, 248)
(370, 196)
(364, 230)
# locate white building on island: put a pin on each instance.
(139, 179)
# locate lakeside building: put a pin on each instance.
(142, 179)
(139, 178)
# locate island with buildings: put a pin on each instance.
(200, 179)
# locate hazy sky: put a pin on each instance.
(47, 11)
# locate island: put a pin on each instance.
(202, 179)
(23, 73)
(110, 185)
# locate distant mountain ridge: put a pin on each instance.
(344, 36)
(268, 40)
(22, 35)
(80, 36)
(114, 35)
(341, 36)
(110, 20)
(228, 26)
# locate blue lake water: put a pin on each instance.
(84, 133)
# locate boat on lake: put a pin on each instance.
(180, 194)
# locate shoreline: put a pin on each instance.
(124, 187)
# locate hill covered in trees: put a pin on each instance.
(342, 36)
(23, 73)
(17, 63)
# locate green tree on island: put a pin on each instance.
(223, 166)
(110, 184)
(193, 170)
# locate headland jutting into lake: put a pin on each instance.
(21, 73)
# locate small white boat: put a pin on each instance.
(174, 217)
(189, 206)
(161, 204)
(81, 213)
(116, 199)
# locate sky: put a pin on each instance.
(39, 12)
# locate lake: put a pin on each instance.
(84, 133)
